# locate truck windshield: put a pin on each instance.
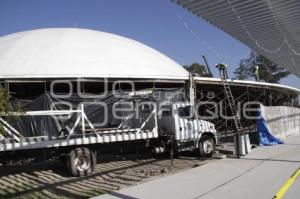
(186, 111)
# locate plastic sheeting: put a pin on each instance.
(33, 126)
(266, 137)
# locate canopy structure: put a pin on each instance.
(270, 27)
(81, 53)
(243, 83)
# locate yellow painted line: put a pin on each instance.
(287, 184)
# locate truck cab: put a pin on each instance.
(180, 121)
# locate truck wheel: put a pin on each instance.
(206, 146)
(81, 162)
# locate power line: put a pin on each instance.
(205, 44)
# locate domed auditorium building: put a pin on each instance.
(31, 60)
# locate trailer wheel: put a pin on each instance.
(206, 146)
(81, 162)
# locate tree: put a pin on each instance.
(269, 71)
(5, 107)
(197, 70)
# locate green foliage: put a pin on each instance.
(197, 70)
(1, 130)
(5, 107)
(269, 71)
(4, 101)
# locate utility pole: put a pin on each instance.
(207, 66)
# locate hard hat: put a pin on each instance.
(221, 64)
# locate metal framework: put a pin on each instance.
(15, 141)
(269, 96)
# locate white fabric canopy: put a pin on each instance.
(270, 27)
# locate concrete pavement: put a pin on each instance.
(258, 175)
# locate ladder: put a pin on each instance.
(230, 99)
(245, 142)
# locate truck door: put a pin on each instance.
(185, 122)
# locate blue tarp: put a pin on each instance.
(266, 138)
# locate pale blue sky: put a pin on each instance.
(155, 23)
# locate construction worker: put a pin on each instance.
(256, 73)
(223, 67)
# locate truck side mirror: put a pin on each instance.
(192, 117)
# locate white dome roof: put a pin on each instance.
(72, 53)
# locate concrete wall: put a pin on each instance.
(283, 121)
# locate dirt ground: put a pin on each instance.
(50, 180)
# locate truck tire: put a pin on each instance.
(206, 147)
(81, 162)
